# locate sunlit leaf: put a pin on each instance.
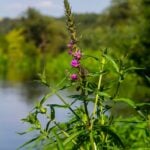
(71, 137)
(89, 56)
(104, 94)
(59, 142)
(112, 62)
(143, 104)
(96, 74)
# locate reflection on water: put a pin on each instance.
(14, 105)
(15, 102)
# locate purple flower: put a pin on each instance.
(73, 77)
(70, 44)
(77, 54)
(75, 63)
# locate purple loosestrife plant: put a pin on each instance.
(91, 124)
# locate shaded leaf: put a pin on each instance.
(47, 125)
(148, 78)
(66, 86)
(126, 100)
(133, 68)
(57, 105)
(117, 140)
(77, 97)
(52, 112)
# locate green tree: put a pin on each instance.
(44, 32)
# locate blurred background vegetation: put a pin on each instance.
(32, 41)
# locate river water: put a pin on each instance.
(16, 100)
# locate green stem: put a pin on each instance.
(95, 106)
(85, 101)
(117, 90)
(92, 142)
(67, 105)
(86, 110)
(97, 96)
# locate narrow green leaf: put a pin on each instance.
(104, 94)
(133, 68)
(45, 98)
(141, 114)
(27, 131)
(89, 56)
(148, 78)
(59, 142)
(71, 137)
(28, 142)
(113, 62)
(77, 97)
(126, 100)
(52, 112)
(50, 129)
(47, 125)
(92, 85)
(117, 140)
(66, 86)
(57, 105)
(142, 104)
(96, 74)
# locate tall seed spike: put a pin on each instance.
(70, 21)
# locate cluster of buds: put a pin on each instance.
(76, 54)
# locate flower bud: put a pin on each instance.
(75, 63)
(73, 77)
(77, 54)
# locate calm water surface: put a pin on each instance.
(15, 103)
(16, 100)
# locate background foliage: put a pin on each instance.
(123, 28)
